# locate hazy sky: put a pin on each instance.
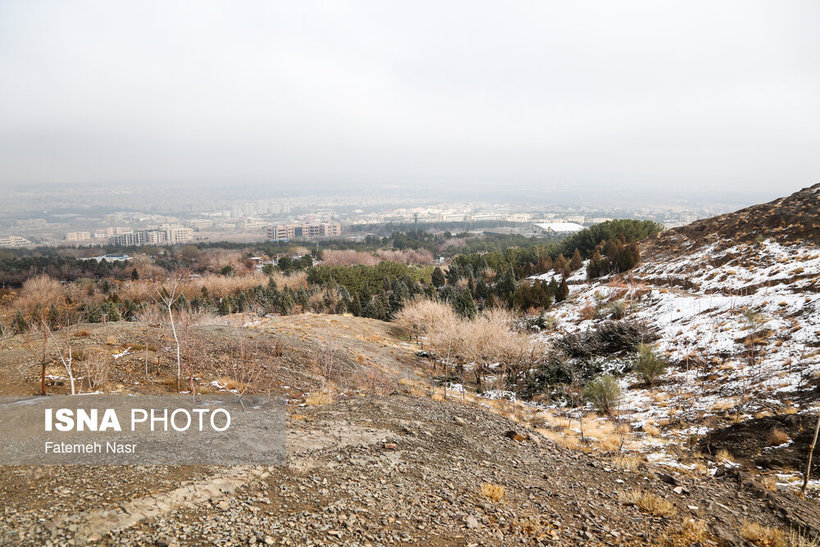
(692, 95)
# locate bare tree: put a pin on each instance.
(64, 351)
(811, 452)
(40, 354)
(167, 295)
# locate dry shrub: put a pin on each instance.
(628, 462)
(651, 429)
(723, 455)
(348, 258)
(319, 398)
(94, 369)
(588, 312)
(762, 535)
(145, 267)
(649, 503)
(494, 492)
(214, 260)
(421, 316)
(408, 256)
(375, 382)
(777, 437)
(691, 532)
(568, 441)
(769, 483)
(40, 292)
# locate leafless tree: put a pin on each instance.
(40, 354)
(167, 295)
(811, 452)
(64, 350)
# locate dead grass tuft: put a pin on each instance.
(777, 437)
(628, 462)
(649, 503)
(494, 492)
(763, 536)
(319, 398)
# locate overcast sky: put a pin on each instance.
(700, 96)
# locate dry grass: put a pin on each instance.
(723, 455)
(629, 462)
(319, 398)
(649, 503)
(763, 536)
(777, 437)
(494, 492)
(569, 441)
(650, 429)
(691, 532)
(769, 483)
(40, 292)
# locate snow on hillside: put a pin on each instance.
(708, 306)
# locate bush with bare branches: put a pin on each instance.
(39, 294)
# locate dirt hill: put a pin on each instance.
(788, 220)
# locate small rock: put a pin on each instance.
(471, 522)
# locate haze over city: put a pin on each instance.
(546, 101)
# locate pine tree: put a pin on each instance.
(563, 291)
(135, 275)
(464, 305)
(561, 265)
(576, 261)
(19, 324)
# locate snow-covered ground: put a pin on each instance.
(708, 307)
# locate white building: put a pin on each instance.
(559, 228)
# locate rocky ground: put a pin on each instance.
(387, 461)
(395, 469)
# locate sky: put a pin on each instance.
(689, 97)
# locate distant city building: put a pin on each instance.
(559, 227)
(78, 236)
(109, 258)
(166, 235)
(14, 242)
(303, 231)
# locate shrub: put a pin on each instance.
(604, 393)
(494, 492)
(777, 437)
(650, 503)
(649, 365)
(606, 339)
(759, 534)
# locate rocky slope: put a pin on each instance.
(395, 470)
(735, 301)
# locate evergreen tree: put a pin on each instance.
(561, 265)
(563, 291)
(438, 277)
(453, 274)
(506, 285)
(464, 305)
(576, 261)
(355, 306)
(19, 324)
(135, 275)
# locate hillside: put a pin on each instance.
(734, 302)
(388, 460)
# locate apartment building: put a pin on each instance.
(167, 234)
(304, 231)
